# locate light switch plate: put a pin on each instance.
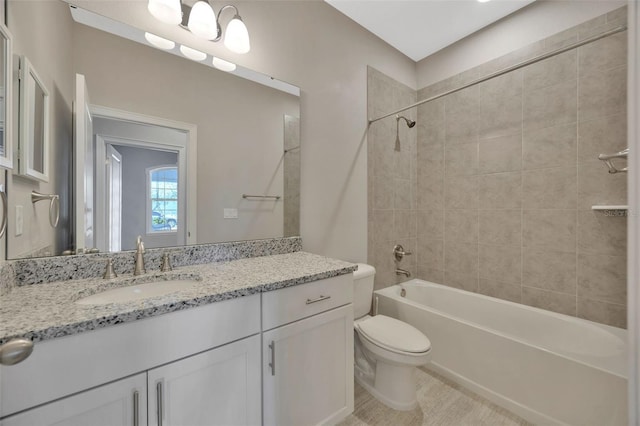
(230, 213)
(19, 221)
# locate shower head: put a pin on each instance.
(410, 123)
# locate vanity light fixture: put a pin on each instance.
(159, 42)
(483, 1)
(223, 65)
(203, 22)
(193, 54)
(167, 11)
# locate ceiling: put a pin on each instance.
(419, 28)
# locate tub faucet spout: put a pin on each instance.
(403, 272)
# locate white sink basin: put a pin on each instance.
(136, 292)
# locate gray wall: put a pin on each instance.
(52, 58)
(508, 172)
(135, 161)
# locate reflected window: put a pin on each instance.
(162, 184)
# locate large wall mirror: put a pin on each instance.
(143, 141)
(6, 80)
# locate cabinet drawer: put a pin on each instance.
(293, 303)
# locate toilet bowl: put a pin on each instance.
(387, 350)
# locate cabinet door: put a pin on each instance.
(308, 370)
(217, 387)
(119, 403)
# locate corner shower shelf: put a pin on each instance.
(612, 207)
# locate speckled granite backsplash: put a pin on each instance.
(62, 268)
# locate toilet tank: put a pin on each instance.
(363, 289)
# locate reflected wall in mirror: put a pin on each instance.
(33, 143)
(237, 123)
(6, 67)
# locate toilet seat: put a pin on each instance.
(393, 335)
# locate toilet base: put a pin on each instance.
(392, 384)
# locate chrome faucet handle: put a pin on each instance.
(399, 253)
(109, 272)
(165, 266)
(138, 268)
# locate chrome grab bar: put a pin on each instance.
(54, 201)
(5, 211)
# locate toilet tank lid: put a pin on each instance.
(363, 271)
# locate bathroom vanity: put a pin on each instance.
(265, 340)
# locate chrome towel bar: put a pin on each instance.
(263, 197)
(612, 167)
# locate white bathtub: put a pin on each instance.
(548, 368)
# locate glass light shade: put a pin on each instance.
(159, 42)
(223, 65)
(236, 37)
(167, 11)
(202, 21)
(193, 54)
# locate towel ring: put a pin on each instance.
(5, 210)
(54, 205)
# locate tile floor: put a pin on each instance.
(442, 402)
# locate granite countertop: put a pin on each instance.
(45, 311)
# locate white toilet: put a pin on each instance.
(386, 350)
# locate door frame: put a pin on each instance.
(188, 157)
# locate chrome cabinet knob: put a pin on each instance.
(15, 351)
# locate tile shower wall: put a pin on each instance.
(508, 172)
(506, 175)
(392, 178)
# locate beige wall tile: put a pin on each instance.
(552, 71)
(501, 290)
(602, 277)
(601, 234)
(461, 258)
(430, 253)
(461, 226)
(554, 188)
(499, 115)
(549, 229)
(430, 159)
(500, 263)
(549, 300)
(430, 187)
(603, 312)
(431, 224)
(405, 224)
(383, 193)
(383, 225)
(602, 135)
(500, 227)
(462, 281)
(500, 190)
(462, 114)
(549, 147)
(501, 154)
(602, 93)
(461, 192)
(550, 106)
(549, 270)
(598, 187)
(603, 54)
(384, 264)
(461, 159)
(403, 197)
(432, 275)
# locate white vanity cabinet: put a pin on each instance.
(217, 387)
(119, 403)
(307, 362)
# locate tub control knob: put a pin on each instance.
(399, 253)
(15, 351)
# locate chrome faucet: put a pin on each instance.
(403, 272)
(138, 268)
